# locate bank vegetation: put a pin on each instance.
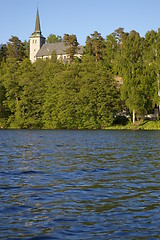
(116, 82)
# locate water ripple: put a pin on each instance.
(79, 185)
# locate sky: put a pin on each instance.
(79, 17)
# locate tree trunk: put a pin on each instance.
(17, 101)
(134, 116)
(96, 54)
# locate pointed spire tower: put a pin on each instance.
(37, 26)
(36, 39)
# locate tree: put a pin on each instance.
(15, 49)
(110, 51)
(72, 46)
(119, 35)
(32, 93)
(98, 96)
(81, 95)
(24, 92)
(52, 38)
(10, 81)
(96, 45)
(3, 53)
(26, 49)
(4, 111)
(151, 59)
(132, 71)
(53, 80)
(84, 94)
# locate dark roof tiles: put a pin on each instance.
(59, 48)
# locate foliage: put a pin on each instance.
(3, 52)
(15, 48)
(83, 94)
(72, 46)
(96, 45)
(52, 38)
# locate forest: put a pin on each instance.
(86, 93)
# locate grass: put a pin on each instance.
(139, 125)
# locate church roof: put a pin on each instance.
(59, 48)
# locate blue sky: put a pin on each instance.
(79, 17)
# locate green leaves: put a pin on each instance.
(72, 46)
(137, 56)
(24, 89)
(96, 45)
(15, 49)
(83, 95)
(52, 38)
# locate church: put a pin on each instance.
(42, 50)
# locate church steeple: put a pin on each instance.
(36, 40)
(37, 26)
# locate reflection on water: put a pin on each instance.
(79, 185)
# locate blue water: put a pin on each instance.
(79, 184)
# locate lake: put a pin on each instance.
(79, 184)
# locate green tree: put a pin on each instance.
(24, 92)
(4, 111)
(72, 46)
(151, 59)
(83, 95)
(52, 38)
(95, 45)
(53, 79)
(121, 39)
(3, 53)
(110, 51)
(26, 49)
(32, 93)
(98, 96)
(120, 35)
(12, 88)
(132, 71)
(15, 49)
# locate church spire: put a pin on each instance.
(37, 26)
(36, 40)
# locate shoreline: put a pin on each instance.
(143, 126)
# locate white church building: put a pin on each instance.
(39, 49)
